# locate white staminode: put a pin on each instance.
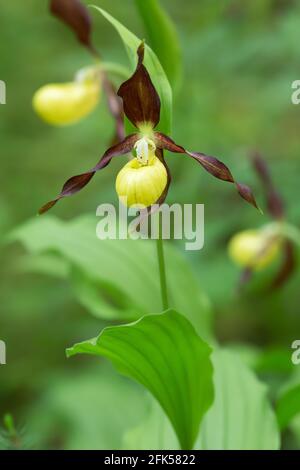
(145, 150)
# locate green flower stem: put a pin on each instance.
(162, 266)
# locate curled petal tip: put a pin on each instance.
(141, 51)
(46, 207)
(246, 193)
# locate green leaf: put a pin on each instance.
(164, 354)
(44, 263)
(154, 433)
(108, 276)
(288, 406)
(274, 361)
(163, 38)
(88, 409)
(241, 417)
(101, 298)
(153, 66)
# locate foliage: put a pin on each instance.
(124, 288)
(240, 59)
(163, 38)
(241, 417)
(163, 353)
(240, 398)
(153, 66)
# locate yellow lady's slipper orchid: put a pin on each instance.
(146, 179)
(61, 104)
(143, 179)
(254, 249)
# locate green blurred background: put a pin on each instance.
(240, 59)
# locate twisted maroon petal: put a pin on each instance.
(211, 164)
(274, 200)
(287, 267)
(75, 14)
(74, 184)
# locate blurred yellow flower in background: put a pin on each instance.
(62, 104)
(255, 249)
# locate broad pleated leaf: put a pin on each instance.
(164, 354)
(153, 433)
(115, 279)
(92, 408)
(241, 417)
